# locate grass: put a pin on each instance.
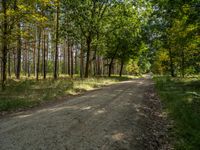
(25, 93)
(181, 98)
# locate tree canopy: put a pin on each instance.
(99, 37)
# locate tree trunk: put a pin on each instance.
(110, 67)
(47, 54)
(81, 61)
(64, 58)
(57, 36)
(4, 43)
(183, 63)
(72, 61)
(69, 54)
(44, 57)
(121, 68)
(38, 54)
(34, 66)
(76, 61)
(98, 66)
(88, 56)
(171, 63)
(111, 62)
(14, 63)
(19, 45)
(28, 60)
(9, 65)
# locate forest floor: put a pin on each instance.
(27, 93)
(181, 100)
(123, 116)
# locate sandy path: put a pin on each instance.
(106, 119)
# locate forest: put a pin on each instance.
(50, 48)
(97, 38)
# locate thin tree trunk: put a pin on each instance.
(88, 56)
(47, 54)
(38, 54)
(19, 45)
(9, 65)
(110, 67)
(111, 62)
(69, 54)
(25, 57)
(183, 63)
(72, 61)
(171, 63)
(81, 61)
(14, 63)
(44, 58)
(121, 68)
(57, 36)
(76, 61)
(64, 57)
(4, 43)
(28, 60)
(34, 68)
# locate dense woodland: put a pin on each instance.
(98, 37)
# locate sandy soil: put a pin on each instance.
(112, 118)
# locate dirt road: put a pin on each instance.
(106, 119)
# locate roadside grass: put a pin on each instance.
(181, 100)
(28, 92)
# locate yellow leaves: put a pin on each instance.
(22, 7)
(186, 8)
(39, 18)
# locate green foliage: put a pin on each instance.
(173, 29)
(181, 99)
(132, 67)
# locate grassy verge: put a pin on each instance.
(24, 93)
(181, 98)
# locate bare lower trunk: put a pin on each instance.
(171, 63)
(111, 62)
(68, 54)
(88, 57)
(28, 60)
(19, 44)
(76, 62)
(110, 67)
(57, 36)
(34, 66)
(44, 58)
(9, 66)
(38, 55)
(121, 68)
(81, 61)
(183, 63)
(4, 43)
(72, 61)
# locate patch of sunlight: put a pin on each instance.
(24, 116)
(189, 99)
(141, 82)
(194, 94)
(58, 109)
(70, 91)
(86, 108)
(83, 86)
(118, 136)
(101, 111)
